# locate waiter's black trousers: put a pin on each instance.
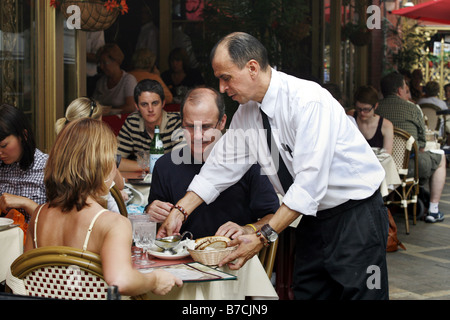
(341, 253)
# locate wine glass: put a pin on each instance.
(144, 239)
(143, 161)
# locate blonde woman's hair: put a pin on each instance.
(79, 108)
(143, 58)
(80, 163)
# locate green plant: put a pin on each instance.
(411, 41)
(278, 24)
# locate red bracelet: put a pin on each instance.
(181, 209)
(263, 239)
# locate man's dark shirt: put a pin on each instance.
(245, 202)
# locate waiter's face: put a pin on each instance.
(236, 83)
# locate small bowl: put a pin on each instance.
(168, 243)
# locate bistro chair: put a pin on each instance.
(115, 192)
(406, 194)
(433, 121)
(267, 257)
(59, 272)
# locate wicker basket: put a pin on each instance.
(94, 15)
(210, 257)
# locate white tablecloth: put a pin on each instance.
(392, 179)
(11, 246)
(252, 282)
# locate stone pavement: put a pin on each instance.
(422, 272)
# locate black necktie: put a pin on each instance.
(283, 173)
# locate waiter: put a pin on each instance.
(331, 176)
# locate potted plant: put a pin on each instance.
(95, 14)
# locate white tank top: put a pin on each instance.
(88, 234)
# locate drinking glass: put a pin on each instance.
(134, 218)
(145, 238)
(143, 161)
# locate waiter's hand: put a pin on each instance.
(249, 245)
(171, 225)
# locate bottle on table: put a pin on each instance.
(156, 149)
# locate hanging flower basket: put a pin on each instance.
(360, 38)
(95, 15)
(359, 35)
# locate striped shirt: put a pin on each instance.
(133, 136)
(403, 115)
(28, 184)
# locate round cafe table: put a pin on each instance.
(391, 179)
(252, 281)
(11, 246)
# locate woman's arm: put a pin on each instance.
(387, 130)
(117, 265)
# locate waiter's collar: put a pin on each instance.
(270, 98)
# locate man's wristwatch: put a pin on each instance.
(268, 233)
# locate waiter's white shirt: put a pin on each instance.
(331, 161)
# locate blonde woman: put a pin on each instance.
(144, 64)
(79, 173)
(114, 89)
(84, 107)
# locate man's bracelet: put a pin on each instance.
(263, 239)
(181, 209)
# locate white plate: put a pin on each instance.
(168, 256)
(5, 223)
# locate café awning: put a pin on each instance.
(432, 11)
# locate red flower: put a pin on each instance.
(110, 5)
(123, 6)
(54, 3)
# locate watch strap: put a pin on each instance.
(266, 231)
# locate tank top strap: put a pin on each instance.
(88, 234)
(380, 124)
(35, 226)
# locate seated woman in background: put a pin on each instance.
(114, 89)
(79, 173)
(88, 108)
(181, 77)
(379, 132)
(21, 164)
(144, 64)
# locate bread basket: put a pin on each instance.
(210, 257)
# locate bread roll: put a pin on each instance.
(215, 242)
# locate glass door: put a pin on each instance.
(18, 56)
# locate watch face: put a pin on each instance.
(269, 233)
(273, 236)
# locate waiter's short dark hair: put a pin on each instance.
(243, 47)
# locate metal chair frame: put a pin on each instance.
(267, 257)
(115, 192)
